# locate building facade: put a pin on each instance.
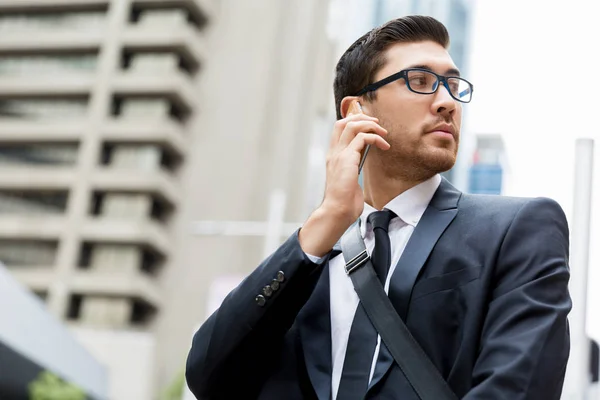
(266, 93)
(97, 105)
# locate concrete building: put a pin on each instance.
(266, 95)
(97, 106)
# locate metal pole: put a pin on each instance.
(577, 380)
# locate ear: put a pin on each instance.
(345, 104)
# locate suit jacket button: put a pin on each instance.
(280, 277)
(267, 291)
(275, 285)
(260, 300)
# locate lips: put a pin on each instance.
(444, 130)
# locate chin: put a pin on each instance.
(440, 160)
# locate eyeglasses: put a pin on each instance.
(423, 81)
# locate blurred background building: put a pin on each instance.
(97, 106)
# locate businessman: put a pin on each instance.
(480, 281)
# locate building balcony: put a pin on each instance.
(51, 40)
(141, 231)
(183, 40)
(199, 9)
(53, 5)
(41, 131)
(77, 85)
(137, 285)
(39, 178)
(157, 183)
(164, 133)
(177, 88)
(31, 227)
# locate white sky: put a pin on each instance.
(534, 67)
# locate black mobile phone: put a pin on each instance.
(355, 108)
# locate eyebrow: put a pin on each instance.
(449, 72)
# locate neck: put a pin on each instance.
(379, 189)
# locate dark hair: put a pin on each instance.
(363, 59)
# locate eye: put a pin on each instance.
(418, 81)
(422, 81)
(454, 86)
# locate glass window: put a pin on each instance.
(47, 64)
(35, 109)
(38, 154)
(29, 202)
(27, 252)
(457, 28)
(87, 20)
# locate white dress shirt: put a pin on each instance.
(409, 207)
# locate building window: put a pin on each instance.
(43, 108)
(139, 156)
(78, 20)
(457, 22)
(151, 261)
(148, 109)
(38, 154)
(15, 252)
(158, 62)
(74, 310)
(31, 202)
(142, 313)
(125, 259)
(47, 64)
(142, 205)
(489, 161)
(162, 16)
(485, 179)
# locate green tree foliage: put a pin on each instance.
(48, 386)
(175, 389)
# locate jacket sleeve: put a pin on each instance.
(525, 338)
(232, 349)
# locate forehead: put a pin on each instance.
(405, 55)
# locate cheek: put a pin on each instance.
(410, 117)
(458, 116)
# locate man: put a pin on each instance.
(480, 281)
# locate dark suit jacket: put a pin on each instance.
(481, 284)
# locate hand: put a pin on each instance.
(343, 194)
(344, 200)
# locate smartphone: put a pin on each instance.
(355, 108)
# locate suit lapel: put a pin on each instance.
(439, 214)
(315, 335)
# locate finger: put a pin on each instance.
(340, 125)
(362, 139)
(353, 128)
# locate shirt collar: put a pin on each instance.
(409, 205)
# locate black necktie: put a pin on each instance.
(363, 336)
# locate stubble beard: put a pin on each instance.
(410, 159)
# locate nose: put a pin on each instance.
(443, 103)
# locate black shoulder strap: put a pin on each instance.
(414, 363)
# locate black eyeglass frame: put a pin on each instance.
(404, 74)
